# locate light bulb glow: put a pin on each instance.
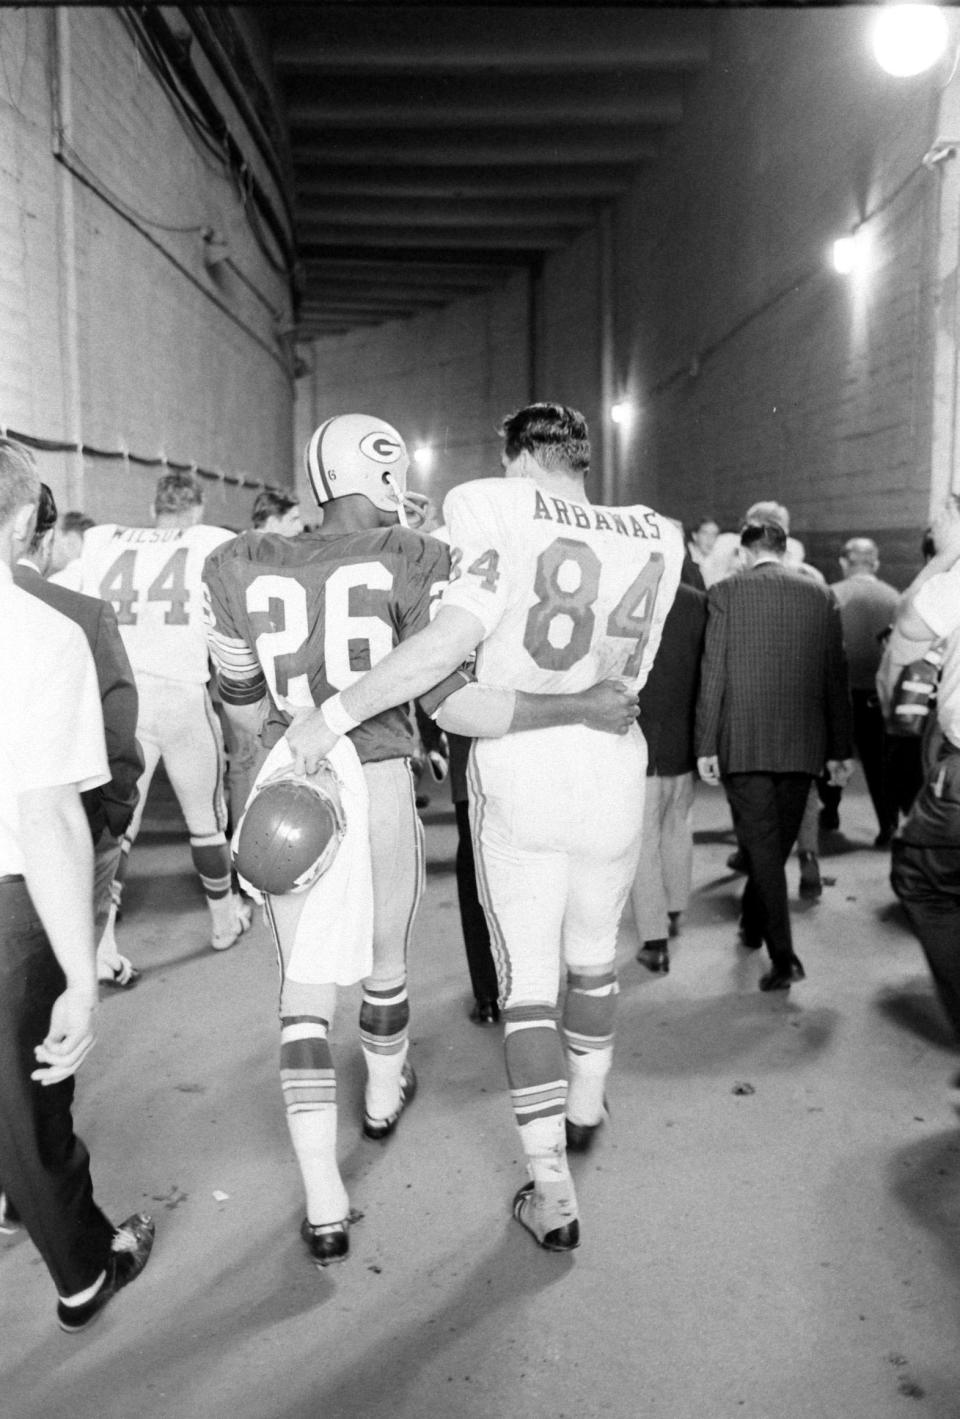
(844, 255)
(622, 413)
(423, 457)
(909, 39)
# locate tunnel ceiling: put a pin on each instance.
(437, 149)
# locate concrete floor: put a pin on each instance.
(770, 1222)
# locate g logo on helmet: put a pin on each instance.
(381, 446)
(290, 832)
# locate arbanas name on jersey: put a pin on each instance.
(568, 593)
(152, 578)
(305, 616)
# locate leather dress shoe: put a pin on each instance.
(780, 978)
(565, 1238)
(485, 1012)
(378, 1128)
(655, 956)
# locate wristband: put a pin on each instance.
(338, 719)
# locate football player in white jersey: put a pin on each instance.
(151, 575)
(303, 617)
(554, 594)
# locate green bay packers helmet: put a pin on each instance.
(356, 453)
(290, 831)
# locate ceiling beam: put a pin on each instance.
(353, 39)
(558, 145)
(459, 103)
(372, 211)
(529, 239)
(387, 257)
(397, 180)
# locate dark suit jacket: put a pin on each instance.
(774, 693)
(668, 700)
(112, 804)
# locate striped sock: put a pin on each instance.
(310, 1096)
(538, 1092)
(588, 1019)
(384, 1039)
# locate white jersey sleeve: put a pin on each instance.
(568, 593)
(152, 576)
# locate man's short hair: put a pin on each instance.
(177, 492)
(271, 503)
(74, 521)
(861, 552)
(19, 479)
(764, 537)
(46, 517)
(768, 511)
(555, 435)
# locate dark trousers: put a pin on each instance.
(44, 1167)
(870, 739)
(767, 811)
(925, 874)
(476, 936)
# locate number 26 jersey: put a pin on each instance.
(152, 578)
(568, 593)
(305, 616)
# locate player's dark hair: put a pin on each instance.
(46, 517)
(19, 479)
(555, 435)
(271, 503)
(74, 521)
(763, 537)
(177, 492)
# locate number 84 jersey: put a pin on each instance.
(152, 578)
(568, 593)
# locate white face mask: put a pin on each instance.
(398, 492)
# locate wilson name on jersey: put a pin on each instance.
(568, 593)
(152, 578)
(305, 616)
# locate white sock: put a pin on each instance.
(314, 1136)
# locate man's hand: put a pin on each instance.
(608, 706)
(839, 771)
(708, 767)
(70, 1036)
(310, 740)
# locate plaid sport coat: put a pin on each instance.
(774, 688)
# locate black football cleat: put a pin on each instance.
(379, 1128)
(565, 1238)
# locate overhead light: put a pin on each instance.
(909, 39)
(849, 253)
(423, 457)
(622, 413)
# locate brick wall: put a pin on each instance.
(444, 379)
(113, 331)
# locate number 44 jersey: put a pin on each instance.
(305, 616)
(152, 578)
(568, 593)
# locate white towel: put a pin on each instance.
(334, 938)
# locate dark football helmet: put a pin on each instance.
(290, 832)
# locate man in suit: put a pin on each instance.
(668, 701)
(109, 808)
(773, 709)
